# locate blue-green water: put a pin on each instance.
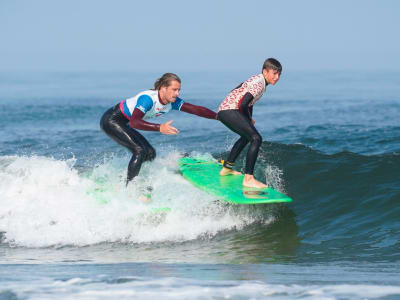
(331, 142)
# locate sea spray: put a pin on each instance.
(47, 202)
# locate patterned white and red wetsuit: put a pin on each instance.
(255, 85)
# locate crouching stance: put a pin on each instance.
(122, 122)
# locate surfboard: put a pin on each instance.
(204, 174)
(103, 192)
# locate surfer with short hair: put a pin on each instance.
(122, 121)
(236, 111)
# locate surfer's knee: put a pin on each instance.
(145, 153)
(151, 153)
(140, 152)
(256, 140)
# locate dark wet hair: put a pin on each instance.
(165, 80)
(272, 63)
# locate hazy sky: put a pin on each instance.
(198, 35)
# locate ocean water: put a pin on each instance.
(331, 140)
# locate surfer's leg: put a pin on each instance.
(237, 149)
(230, 162)
(135, 163)
(228, 118)
(251, 157)
(115, 125)
(141, 151)
(242, 125)
(252, 153)
(150, 152)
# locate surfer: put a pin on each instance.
(122, 122)
(236, 111)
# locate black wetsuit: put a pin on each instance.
(239, 121)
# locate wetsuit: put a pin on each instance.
(119, 122)
(235, 112)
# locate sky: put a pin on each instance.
(207, 35)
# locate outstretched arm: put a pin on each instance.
(137, 122)
(199, 111)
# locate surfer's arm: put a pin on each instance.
(244, 105)
(251, 114)
(198, 111)
(136, 121)
(143, 105)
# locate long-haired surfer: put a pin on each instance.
(123, 121)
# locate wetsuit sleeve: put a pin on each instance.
(177, 105)
(144, 103)
(136, 121)
(199, 111)
(244, 105)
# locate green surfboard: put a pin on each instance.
(103, 192)
(204, 174)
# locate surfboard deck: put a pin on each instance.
(204, 174)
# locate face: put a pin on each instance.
(271, 76)
(169, 93)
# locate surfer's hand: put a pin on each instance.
(252, 121)
(166, 128)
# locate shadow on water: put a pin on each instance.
(273, 238)
(270, 236)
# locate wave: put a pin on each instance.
(48, 202)
(345, 204)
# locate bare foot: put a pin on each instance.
(250, 181)
(226, 171)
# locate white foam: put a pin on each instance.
(170, 289)
(273, 177)
(46, 202)
(181, 288)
